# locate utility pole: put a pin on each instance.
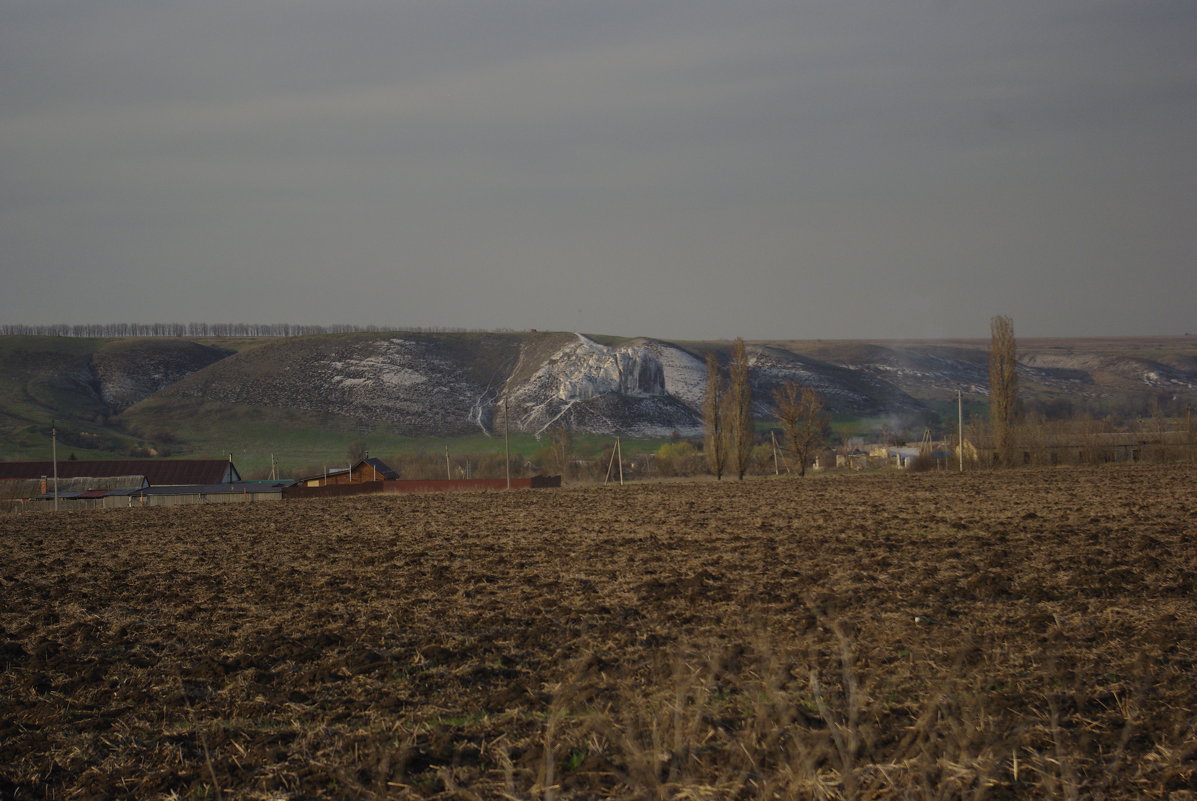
(448, 472)
(619, 450)
(54, 457)
(1189, 430)
(506, 442)
(960, 425)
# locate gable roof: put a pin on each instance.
(238, 488)
(328, 473)
(157, 471)
(29, 487)
(372, 465)
(384, 472)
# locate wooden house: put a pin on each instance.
(368, 469)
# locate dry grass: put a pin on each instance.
(1029, 634)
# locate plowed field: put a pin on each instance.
(1020, 634)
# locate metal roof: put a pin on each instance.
(156, 471)
(383, 470)
(62, 496)
(247, 487)
(30, 487)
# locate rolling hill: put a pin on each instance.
(312, 393)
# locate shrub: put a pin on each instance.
(677, 459)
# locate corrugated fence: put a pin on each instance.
(419, 485)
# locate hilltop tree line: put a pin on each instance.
(196, 330)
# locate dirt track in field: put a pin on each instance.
(1017, 634)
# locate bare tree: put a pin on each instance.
(1003, 387)
(714, 444)
(802, 416)
(561, 445)
(356, 451)
(737, 419)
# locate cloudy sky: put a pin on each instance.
(681, 169)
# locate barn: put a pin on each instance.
(158, 472)
(104, 483)
(176, 495)
(237, 492)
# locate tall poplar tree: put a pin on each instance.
(737, 420)
(712, 418)
(1003, 386)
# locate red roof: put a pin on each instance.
(158, 472)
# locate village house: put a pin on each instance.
(368, 469)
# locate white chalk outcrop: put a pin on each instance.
(593, 387)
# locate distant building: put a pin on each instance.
(368, 469)
(176, 495)
(903, 457)
(237, 492)
(855, 459)
(158, 472)
(16, 492)
(825, 459)
(1078, 446)
(107, 483)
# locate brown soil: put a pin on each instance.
(1023, 634)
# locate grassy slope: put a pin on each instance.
(55, 378)
(44, 379)
(301, 439)
(36, 374)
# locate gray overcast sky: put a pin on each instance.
(697, 169)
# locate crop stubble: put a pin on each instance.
(1003, 635)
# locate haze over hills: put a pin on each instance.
(109, 395)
